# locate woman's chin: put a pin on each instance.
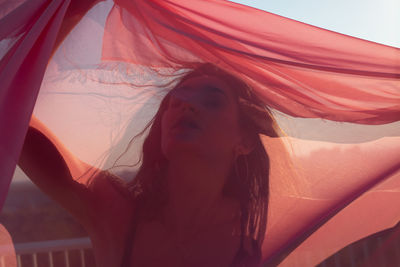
(182, 145)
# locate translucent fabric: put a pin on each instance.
(334, 174)
(27, 36)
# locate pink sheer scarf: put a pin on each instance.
(340, 181)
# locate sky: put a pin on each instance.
(374, 20)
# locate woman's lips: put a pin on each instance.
(185, 123)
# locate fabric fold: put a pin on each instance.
(21, 74)
(301, 70)
(337, 97)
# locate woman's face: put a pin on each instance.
(201, 119)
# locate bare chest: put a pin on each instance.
(154, 245)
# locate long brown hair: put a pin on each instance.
(249, 179)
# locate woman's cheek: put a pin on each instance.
(223, 126)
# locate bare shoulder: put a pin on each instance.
(106, 183)
(110, 197)
(106, 186)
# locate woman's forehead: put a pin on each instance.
(207, 81)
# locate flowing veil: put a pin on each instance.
(95, 72)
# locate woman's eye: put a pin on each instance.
(213, 102)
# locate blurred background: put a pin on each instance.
(44, 234)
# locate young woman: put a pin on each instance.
(201, 194)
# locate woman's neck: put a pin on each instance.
(194, 195)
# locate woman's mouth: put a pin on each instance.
(185, 123)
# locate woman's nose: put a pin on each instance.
(182, 101)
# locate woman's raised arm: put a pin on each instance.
(54, 170)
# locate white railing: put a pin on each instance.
(32, 249)
(49, 247)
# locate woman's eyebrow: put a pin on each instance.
(217, 90)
